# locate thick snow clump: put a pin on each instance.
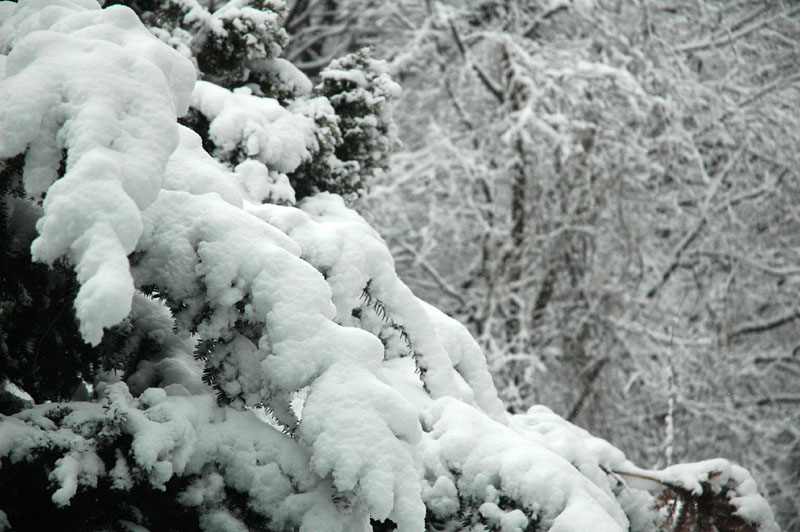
(95, 85)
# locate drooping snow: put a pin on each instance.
(95, 83)
(338, 241)
(191, 169)
(367, 443)
(288, 75)
(468, 361)
(486, 459)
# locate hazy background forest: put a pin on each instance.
(605, 192)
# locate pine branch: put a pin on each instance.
(379, 308)
(676, 256)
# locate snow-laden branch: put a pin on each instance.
(493, 88)
(747, 30)
(99, 89)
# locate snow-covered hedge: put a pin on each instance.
(260, 364)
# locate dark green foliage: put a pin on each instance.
(204, 351)
(197, 122)
(41, 349)
(213, 352)
(379, 308)
(26, 490)
(357, 143)
(125, 345)
(222, 55)
(353, 103)
(325, 172)
(382, 526)
(223, 60)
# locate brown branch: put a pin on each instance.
(727, 38)
(748, 18)
(779, 84)
(635, 475)
(690, 237)
(298, 13)
(431, 271)
(676, 258)
(769, 401)
(532, 28)
(456, 104)
(587, 389)
(754, 328)
(773, 400)
(774, 360)
(492, 87)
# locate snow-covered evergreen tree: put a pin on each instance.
(186, 346)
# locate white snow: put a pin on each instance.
(468, 360)
(191, 169)
(483, 457)
(11, 388)
(66, 474)
(366, 443)
(259, 128)
(290, 77)
(718, 474)
(96, 83)
(338, 241)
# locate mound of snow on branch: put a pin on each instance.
(93, 83)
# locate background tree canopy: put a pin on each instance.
(198, 332)
(605, 193)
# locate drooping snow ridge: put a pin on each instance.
(94, 83)
(468, 361)
(486, 460)
(368, 443)
(191, 169)
(230, 267)
(339, 242)
(589, 454)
